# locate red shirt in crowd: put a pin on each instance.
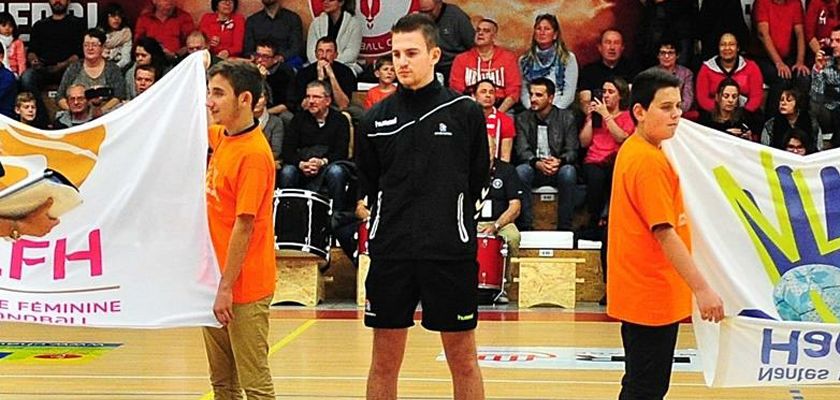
(503, 69)
(746, 73)
(781, 18)
(171, 33)
(820, 19)
(231, 33)
(500, 126)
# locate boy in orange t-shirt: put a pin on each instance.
(651, 275)
(239, 190)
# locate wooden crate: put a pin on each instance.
(299, 280)
(589, 281)
(544, 204)
(547, 281)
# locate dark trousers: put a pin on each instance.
(598, 181)
(564, 180)
(648, 358)
(333, 177)
(776, 85)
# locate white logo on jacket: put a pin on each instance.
(387, 122)
(442, 130)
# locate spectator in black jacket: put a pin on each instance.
(54, 44)
(317, 139)
(546, 147)
(280, 26)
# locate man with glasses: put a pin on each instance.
(54, 44)
(317, 139)
(667, 57)
(79, 110)
(278, 76)
(455, 29)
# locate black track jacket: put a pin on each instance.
(424, 160)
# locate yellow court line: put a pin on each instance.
(276, 347)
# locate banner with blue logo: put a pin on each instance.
(766, 234)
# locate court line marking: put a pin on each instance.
(277, 346)
(355, 378)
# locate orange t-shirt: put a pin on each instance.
(240, 181)
(643, 287)
(375, 95)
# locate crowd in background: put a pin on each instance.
(558, 123)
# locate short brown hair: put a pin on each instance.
(419, 22)
(242, 76)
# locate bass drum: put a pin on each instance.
(302, 222)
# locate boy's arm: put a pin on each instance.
(709, 302)
(240, 237)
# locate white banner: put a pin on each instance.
(137, 252)
(766, 234)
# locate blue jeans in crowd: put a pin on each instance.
(333, 178)
(564, 181)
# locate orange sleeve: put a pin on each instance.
(652, 195)
(252, 182)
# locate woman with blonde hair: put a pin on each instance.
(338, 21)
(548, 57)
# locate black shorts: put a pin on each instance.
(448, 291)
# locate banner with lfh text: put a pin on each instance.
(136, 252)
(766, 234)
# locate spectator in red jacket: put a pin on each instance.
(488, 61)
(166, 23)
(729, 64)
(224, 28)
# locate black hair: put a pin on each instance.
(667, 42)
(214, 5)
(550, 87)
(326, 39)
(98, 34)
(155, 50)
(646, 84)
(7, 18)
(109, 10)
(781, 126)
(802, 136)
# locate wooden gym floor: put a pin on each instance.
(323, 353)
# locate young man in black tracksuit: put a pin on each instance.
(424, 159)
